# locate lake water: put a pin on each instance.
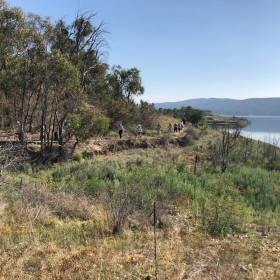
(266, 129)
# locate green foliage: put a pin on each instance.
(78, 155)
(194, 116)
(202, 123)
(49, 71)
(85, 123)
(147, 114)
(223, 215)
(258, 187)
(63, 73)
(225, 196)
(118, 110)
(125, 83)
(127, 187)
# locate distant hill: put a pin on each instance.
(233, 107)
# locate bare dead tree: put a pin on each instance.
(225, 147)
(9, 156)
(119, 205)
(270, 153)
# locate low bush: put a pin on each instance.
(78, 155)
(40, 200)
(222, 215)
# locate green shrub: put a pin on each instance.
(78, 155)
(222, 215)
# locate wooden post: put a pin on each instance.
(155, 242)
(196, 161)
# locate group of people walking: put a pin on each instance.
(177, 127)
(121, 130)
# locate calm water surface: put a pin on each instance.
(265, 129)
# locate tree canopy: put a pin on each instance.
(55, 73)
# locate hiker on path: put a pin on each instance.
(179, 127)
(139, 130)
(175, 127)
(170, 128)
(55, 133)
(158, 129)
(20, 133)
(121, 130)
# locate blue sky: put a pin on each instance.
(187, 49)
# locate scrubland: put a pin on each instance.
(93, 218)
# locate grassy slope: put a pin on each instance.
(56, 224)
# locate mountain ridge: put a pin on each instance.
(227, 106)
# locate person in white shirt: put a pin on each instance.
(139, 130)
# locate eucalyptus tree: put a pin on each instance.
(59, 96)
(48, 72)
(45, 68)
(23, 74)
(147, 114)
(128, 82)
(11, 22)
(85, 122)
(122, 85)
(84, 43)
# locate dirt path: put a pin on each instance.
(110, 145)
(102, 146)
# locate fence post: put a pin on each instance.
(196, 161)
(155, 242)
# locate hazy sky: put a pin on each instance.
(187, 48)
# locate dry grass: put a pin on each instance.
(184, 252)
(44, 235)
(165, 120)
(38, 203)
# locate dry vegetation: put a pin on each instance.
(88, 213)
(50, 229)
